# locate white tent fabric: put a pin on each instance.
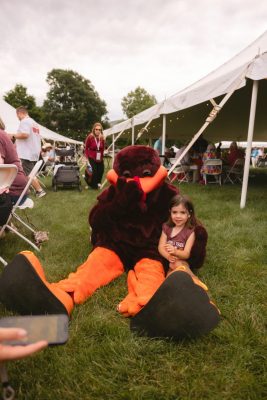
(250, 63)
(8, 115)
(226, 144)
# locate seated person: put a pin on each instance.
(48, 154)
(158, 145)
(234, 154)
(261, 156)
(209, 154)
(254, 157)
(8, 155)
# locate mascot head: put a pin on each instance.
(139, 163)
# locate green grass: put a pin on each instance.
(104, 360)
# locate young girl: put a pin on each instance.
(177, 237)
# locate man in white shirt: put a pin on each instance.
(28, 144)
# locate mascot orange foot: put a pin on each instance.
(126, 225)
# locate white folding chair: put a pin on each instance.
(27, 204)
(234, 174)
(8, 173)
(212, 168)
(180, 172)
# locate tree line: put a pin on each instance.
(72, 104)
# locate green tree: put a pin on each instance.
(19, 97)
(72, 105)
(136, 101)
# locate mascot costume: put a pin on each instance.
(126, 225)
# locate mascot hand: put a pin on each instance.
(75, 288)
(129, 306)
(129, 194)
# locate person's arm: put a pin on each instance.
(15, 352)
(19, 135)
(185, 253)
(87, 145)
(162, 248)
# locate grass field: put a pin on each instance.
(104, 360)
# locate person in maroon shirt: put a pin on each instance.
(8, 155)
(94, 152)
(234, 154)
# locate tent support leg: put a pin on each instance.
(163, 143)
(249, 142)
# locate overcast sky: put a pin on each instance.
(161, 45)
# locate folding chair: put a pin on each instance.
(212, 167)
(8, 173)
(234, 174)
(3, 261)
(40, 173)
(27, 204)
(180, 172)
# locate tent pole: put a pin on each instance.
(115, 139)
(113, 148)
(163, 134)
(249, 142)
(132, 133)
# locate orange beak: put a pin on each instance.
(148, 183)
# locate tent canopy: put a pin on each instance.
(8, 115)
(188, 109)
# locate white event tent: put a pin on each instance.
(8, 115)
(228, 104)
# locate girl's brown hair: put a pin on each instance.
(188, 205)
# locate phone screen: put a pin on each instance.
(52, 328)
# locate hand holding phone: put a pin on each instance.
(9, 352)
(50, 328)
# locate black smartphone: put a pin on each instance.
(52, 328)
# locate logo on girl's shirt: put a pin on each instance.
(177, 245)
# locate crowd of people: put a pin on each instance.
(203, 150)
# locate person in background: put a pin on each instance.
(94, 152)
(219, 151)
(8, 155)
(28, 144)
(209, 154)
(158, 145)
(48, 153)
(234, 154)
(254, 157)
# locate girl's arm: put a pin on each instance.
(162, 248)
(185, 253)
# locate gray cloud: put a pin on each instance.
(120, 44)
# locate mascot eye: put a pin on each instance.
(127, 174)
(146, 172)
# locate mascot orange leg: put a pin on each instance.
(100, 268)
(41, 297)
(143, 282)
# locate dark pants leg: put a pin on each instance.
(98, 170)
